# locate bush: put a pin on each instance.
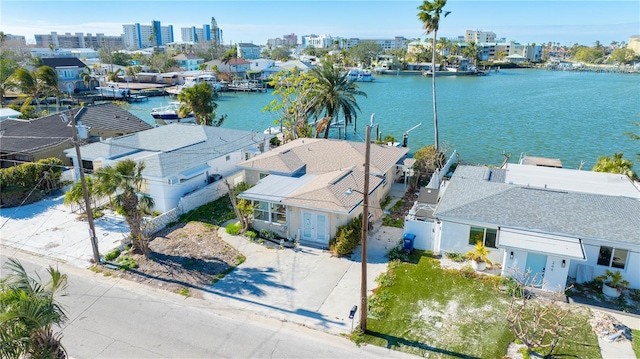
(233, 228)
(456, 257)
(127, 263)
(267, 234)
(251, 235)
(112, 255)
(347, 237)
(397, 253)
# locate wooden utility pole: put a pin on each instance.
(365, 232)
(85, 191)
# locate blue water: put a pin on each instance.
(573, 116)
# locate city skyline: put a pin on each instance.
(566, 22)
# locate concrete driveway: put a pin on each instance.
(306, 286)
(51, 229)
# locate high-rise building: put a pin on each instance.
(479, 36)
(138, 36)
(216, 32)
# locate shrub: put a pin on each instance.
(397, 253)
(233, 228)
(456, 257)
(251, 235)
(112, 255)
(267, 234)
(347, 237)
(127, 263)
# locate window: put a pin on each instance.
(228, 158)
(613, 257)
(270, 212)
(485, 235)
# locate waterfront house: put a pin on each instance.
(307, 187)
(234, 67)
(48, 136)
(68, 70)
(248, 51)
(558, 223)
(179, 158)
(188, 62)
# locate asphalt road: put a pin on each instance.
(114, 318)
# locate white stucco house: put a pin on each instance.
(559, 223)
(307, 187)
(179, 158)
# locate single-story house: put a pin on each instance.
(306, 188)
(48, 136)
(556, 223)
(179, 158)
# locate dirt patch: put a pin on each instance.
(182, 258)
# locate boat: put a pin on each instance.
(170, 114)
(359, 75)
(272, 131)
(194, 80)
(112, 90)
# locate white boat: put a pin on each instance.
(272, 131)
(359, 75)
(112, 90)
(170, 114)
(194, 80)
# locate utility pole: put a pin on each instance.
(365, 231)
(85, 191)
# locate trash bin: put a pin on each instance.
(407, 241)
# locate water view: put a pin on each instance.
(573, 116)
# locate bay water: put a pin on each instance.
(574, 116)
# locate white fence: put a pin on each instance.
(438, 175)
(209, 193)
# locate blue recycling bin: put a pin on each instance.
(407, 242)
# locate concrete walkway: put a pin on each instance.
(622, 349)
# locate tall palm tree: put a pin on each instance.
(335, 93)
(125, 181)
(200, 99)
(50, 84)
(28, 312)
(430, 14)
(88, 77)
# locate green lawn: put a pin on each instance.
(636, 342)
(425, 310)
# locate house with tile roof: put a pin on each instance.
(68, 70)
(558, 223)
(304, 189)
(48, 136)
(179, 158)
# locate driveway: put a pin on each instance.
(51, 229)
(307, 286)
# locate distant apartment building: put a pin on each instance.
(327, 41)
(288, 40)
(139, 36)
(634, 44)
(15, 39)
(397, 42)
(208, 33)
(248, 51)
(78, 41)
(317, 41)
(479, 36)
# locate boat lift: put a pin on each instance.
(405, 135)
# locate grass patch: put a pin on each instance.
(424, 310)
(216, 212)
(184, 292)
(636, 342)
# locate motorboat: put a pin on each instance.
(272, 131)
(112, 90)
(359, 75)
(170, 114)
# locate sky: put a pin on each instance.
(563, 21)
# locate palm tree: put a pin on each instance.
(114, 75)
(88, 77)
(200, 99)
(27, 82)
(615, 164)
(125, 181)
(334, 93)
(50, 84)
(28, 311)
(429, 15)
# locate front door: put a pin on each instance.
(536, 264)
(314, 227)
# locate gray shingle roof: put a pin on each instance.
(174, 148)
(468, 197)
(111, 117)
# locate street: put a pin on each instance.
(114, 318)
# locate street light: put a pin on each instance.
(365, 228)
(85, 191)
